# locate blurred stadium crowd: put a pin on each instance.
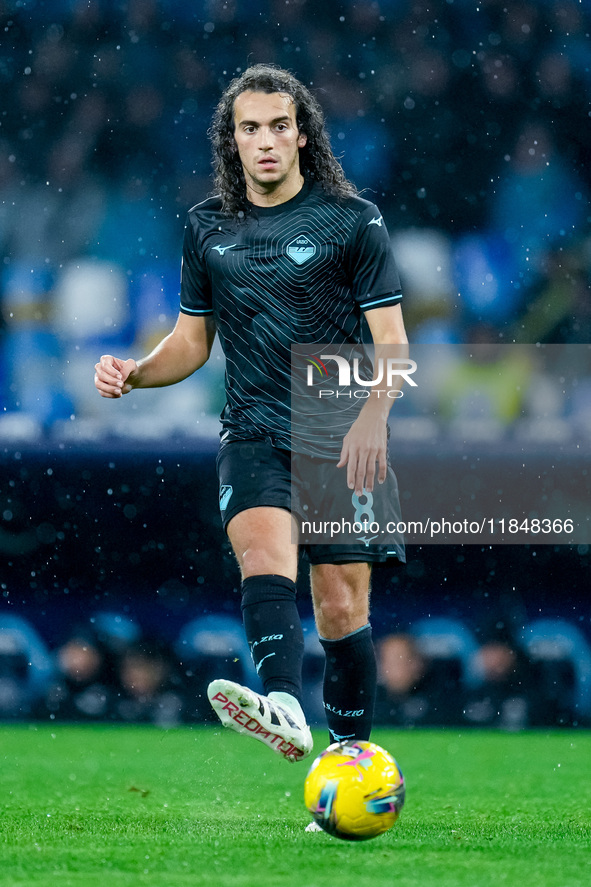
(467, 122)
(441, 671)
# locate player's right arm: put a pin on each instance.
(176, 357)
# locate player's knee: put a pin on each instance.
(339, 615)
(257, 561)
(341, 598)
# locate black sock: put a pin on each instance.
(274, 632)
(350, 685)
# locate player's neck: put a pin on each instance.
(259, 195)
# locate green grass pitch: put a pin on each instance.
(118, 806)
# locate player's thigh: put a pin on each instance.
(340, 593)
(264, 541)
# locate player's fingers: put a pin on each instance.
(107, 389)
(107, 377)
(352, 463)
(382, 466)
(367, 482)
(344, 457)
(358, 465)
(107, 366)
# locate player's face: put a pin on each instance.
(268, 143)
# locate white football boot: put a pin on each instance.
(262, 718)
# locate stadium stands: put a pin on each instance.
(455, 126)
(25, 667)
(441, 672)
(561, 654)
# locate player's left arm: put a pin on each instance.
(365, 446)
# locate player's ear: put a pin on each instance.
(302, 140)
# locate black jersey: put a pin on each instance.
(300, 272)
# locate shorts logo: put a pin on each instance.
(301, 249)
(226, 491)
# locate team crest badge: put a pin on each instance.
(301, 249)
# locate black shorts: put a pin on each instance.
(255, 473)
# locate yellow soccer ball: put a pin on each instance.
(354, 790)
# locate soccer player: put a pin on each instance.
(286, 252)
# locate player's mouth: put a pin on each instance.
(267, 163)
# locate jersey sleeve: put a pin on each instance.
(375, 282)
(195, 286)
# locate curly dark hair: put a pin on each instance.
(317, 161)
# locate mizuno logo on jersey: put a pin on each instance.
(366, 539)
(377, 221)
(222, 249)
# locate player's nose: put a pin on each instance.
(265, 138)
